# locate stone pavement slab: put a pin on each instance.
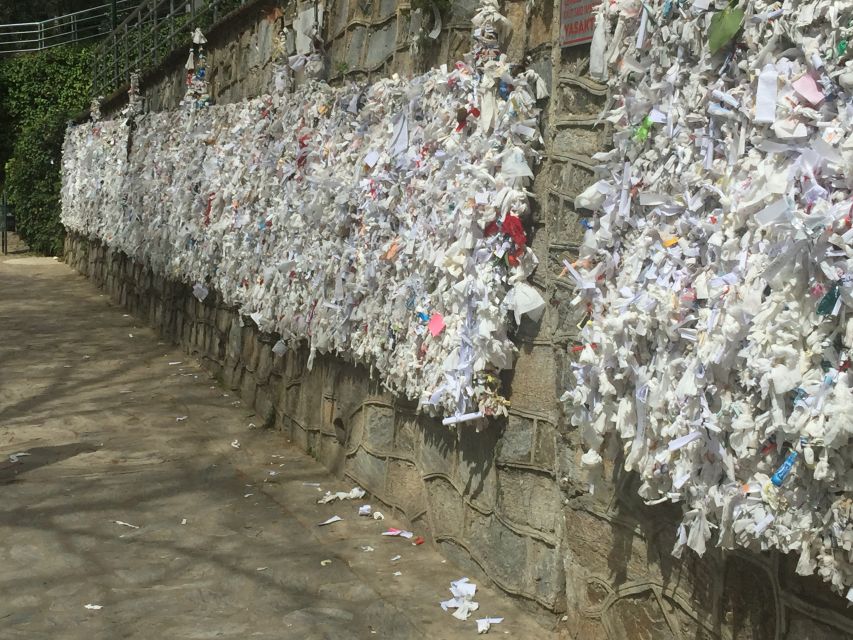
(133, 498)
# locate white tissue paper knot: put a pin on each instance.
(380, 222)
(717, 274)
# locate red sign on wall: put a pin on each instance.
(577, 21)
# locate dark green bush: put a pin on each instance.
(38, 93)
(33, 181)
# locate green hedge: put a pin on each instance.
(38, 93)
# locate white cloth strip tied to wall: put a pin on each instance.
(379, 222)
(716, 273)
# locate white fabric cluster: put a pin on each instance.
(717, 273)
(380, 222)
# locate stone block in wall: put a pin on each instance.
(299, 435)
(405, 430)
(339, 16)
(248, 388)
(539, 26)
(386, 9)
(574, 177)
(530, 499)
(200, 338)
(355, 429)
(516, 13)
(259, 343)
(232, 374)
(330, 452)
(578, 98)
(638, 615)
(545, 453)
(499, 549)
(378, 428)
(436, 451)
(289, 398)
(264, 406)
(404, 487)
(247, 343)
(264, 361)
(544, 577)
(533, 380)
(516, 443)
(462, 558)
(182, 327)
(265, 39)
(579, 140)
(310, 404)
(801, 626)
(749, 600)
(445, 508)
(380, 45)
(352, 55)
(313, 446)
(461, 11)
(475, 471)
(367, 470)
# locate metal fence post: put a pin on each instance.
(115, 58)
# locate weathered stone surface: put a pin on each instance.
(638, 616)
(368, 470)
(498, 549)
(532, 386)
(529, 499)
(544, 575)
(405, 435)
(437, 450)
(379, 428)
(580, 140)
(749, 603)
(516, 445)
(544, 455)
(475, 472)
(446, 508)
(380, 45)
(404, 487)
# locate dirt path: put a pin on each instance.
(223, 542)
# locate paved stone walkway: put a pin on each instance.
(219, 541)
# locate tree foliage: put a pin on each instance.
(38, 93)
(14, 11)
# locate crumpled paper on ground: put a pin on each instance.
(344, 217)
(717, 274)
(463, 599)
(356, 493)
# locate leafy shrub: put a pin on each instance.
(33, 181)
(38, 93)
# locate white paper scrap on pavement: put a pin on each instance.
(483, 624)
(353, 494)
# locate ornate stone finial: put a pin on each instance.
(197, 95)
(95, 108)
(134, 100)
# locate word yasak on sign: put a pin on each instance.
(577, 21)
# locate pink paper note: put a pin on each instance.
(807, 88)
(436, 324)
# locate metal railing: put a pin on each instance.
(70, 28)
(150, 33)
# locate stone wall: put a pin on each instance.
(489, 499)
(508, 502)
(363, 39)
